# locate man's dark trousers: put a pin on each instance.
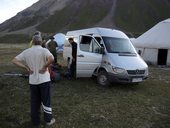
(41, 95)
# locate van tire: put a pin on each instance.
(102, 78)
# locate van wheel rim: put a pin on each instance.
(103, 79)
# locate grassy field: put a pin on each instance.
(82, 103)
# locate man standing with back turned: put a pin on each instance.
(36, 61)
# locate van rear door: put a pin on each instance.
(88, 56)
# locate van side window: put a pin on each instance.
(98, 40)
(94, 47)
(85, 43)
(88, 44)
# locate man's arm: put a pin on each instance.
(49, 61)
(74, 52)
(21, 65)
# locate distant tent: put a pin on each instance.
(60, 39)
(154, 45)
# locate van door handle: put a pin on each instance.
(80, 55)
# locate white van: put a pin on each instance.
(107, 54)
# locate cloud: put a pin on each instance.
(9, 8)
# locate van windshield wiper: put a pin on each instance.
(115, 52)
(127, 54)
(123, 52)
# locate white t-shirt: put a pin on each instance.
(35, 58)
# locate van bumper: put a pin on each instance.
(123, 78)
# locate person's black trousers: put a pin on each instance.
(41, 95)
(55, 56)
(73, 69)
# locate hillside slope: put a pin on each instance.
(77, 15)
(140, 15)
(32, 16)
(51, 16)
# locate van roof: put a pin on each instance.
(97, 31)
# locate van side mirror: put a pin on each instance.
(99, 50)
(139, 52)
(102, 50)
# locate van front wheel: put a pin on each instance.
(102, 78)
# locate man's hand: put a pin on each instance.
(21, 65)
(29, 70)
(45, 67)
(43, 70)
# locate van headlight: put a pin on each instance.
(147, 71)
(117, 70)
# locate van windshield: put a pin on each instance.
(118, 45)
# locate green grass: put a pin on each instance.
(15, 39)
(82, 103)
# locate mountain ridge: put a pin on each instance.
(52, 16)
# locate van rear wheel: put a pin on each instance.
(102, 78)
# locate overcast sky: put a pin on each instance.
(9, 8)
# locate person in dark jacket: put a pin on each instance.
(74, 57)
(52, 48)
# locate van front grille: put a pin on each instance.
(136, 72)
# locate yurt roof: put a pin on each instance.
(157, 37)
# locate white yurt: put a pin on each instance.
(154, 45)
